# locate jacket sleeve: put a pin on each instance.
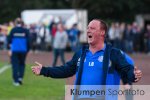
(124, 75)
(122, 65)
(67, 70)
(28, 40)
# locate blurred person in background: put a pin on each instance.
(59, 44)
(122, 28)
(10, 26)
(111, 33)
(128, 39)
(3, 36)
(42, 35)
(117, 34)
(135, 32)
(2, 39)
(147, 35)
(53, 31)
(33, 37)
(73, 35)
(53, 28)
(140, 37)
(18, 41)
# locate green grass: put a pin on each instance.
(33, 88)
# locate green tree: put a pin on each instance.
(117, 10)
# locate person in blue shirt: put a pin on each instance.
(19, 46)
(96, 64)
(73, 35)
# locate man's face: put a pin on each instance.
(60, 27)
(93, 32)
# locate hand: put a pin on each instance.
(137, 73)
(37, 69)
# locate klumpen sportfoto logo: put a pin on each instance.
(109, 91)
(119, 92)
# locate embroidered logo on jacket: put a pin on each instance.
(100, 58)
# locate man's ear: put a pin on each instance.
(103, 33)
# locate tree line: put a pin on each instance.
(116, 10)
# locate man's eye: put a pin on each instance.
(90, 28)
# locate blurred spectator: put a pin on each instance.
(42, 36)
(122, 28)
(148, 37)
(19, 47)
(111, 33)
(128, 37)
(51, 25)
(118, 37)
(53, 31)
(73, 35)
(10, 26)
(135, 32)
(2, 39)
(59, 44)
(48, 39)
(33, 37)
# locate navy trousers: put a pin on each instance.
(57, 53)
(18, 65)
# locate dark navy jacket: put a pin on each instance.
(112, 74)
(118, 60)
(19, 39)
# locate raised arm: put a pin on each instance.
(64, 71)
(123, 66)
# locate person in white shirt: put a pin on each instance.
(60, 43)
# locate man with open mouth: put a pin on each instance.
(97, 64)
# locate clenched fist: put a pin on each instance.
(138, 74)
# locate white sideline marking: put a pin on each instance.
(4, 68)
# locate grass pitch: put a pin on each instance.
(33, 88)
